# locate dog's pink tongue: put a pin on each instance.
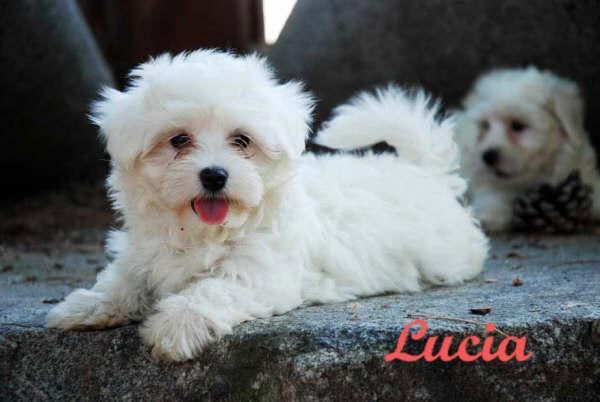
(211, 211)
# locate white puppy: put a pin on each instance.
(521, 128)
(226, 221)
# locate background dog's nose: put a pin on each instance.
(213, 178)
(490, 157)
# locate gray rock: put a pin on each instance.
(50, 71)
(341, 46)
(332, 352)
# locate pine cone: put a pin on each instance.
(564, 208)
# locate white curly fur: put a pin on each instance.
(300, 229)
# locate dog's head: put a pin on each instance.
(203, 136)
(522, 118)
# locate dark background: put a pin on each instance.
(128, 32)
(56, 54)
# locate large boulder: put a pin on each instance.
(341, 46)
(50, 70)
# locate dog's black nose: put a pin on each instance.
(213, 178)
(490, 157)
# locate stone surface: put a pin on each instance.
(341, 46)
(332, 352)
(50, 71)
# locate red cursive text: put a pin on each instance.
(485, 353)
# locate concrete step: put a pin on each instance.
(333, 352)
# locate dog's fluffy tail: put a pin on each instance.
(407, 120)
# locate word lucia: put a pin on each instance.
(432, 352)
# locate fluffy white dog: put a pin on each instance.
(521, 128)
(225, 220)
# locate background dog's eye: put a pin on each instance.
(517, 126)
(180, 140)
(241, 141)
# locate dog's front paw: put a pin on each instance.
(494, 220)
(178, 331)
(84, 309)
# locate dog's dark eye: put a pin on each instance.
(517, 126)
(484, 125)
(180, 140)
(241, 141)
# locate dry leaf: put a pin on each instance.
(481, 310)
(517, 281)
(514, 254)
(51, 301)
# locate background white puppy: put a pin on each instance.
(224, 220)
(521, 128)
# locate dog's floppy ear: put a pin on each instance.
(290, 108)
(108, 113)
(566, 104)
(295, 108)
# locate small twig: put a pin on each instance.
(65, 278)
(455, 319)
(16, 324)
(575, 262)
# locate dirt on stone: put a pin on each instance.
(77, 217)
